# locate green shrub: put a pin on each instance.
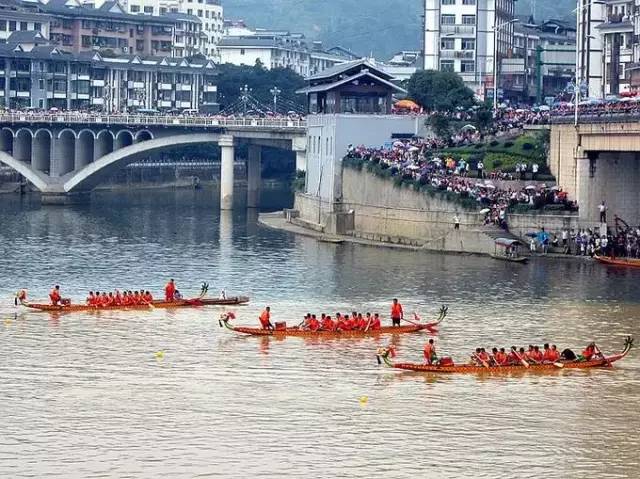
(527, 146)
(497, 163)
(494, 143)
(508, 144)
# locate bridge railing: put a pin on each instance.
(155, 120)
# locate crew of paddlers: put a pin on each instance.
(549, 354)
(116, 298)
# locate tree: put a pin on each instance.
(483, 119)
(442, 91)
(232, 77)
(440, 125)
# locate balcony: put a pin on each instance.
(80, 76)
(135, 84)
(469, 54)
(183, 87)
(97, 101)
(210, 88)
(164, 103)
(80, 96)
(99, 83)
(57, 94)
(183, 104)
(165, 86)
(461, 30)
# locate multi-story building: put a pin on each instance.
(274, 49)
(188, 38)
(209, 12)
(459, 37)
(18, 16)
(83, 28)
(46, 76)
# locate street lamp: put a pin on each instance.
(497, 28)
(275, 91)
(580, 7)
(244, 97)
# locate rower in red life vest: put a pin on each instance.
(484, 356)
(501, 357)
(54, 295)
(512, 357)
(396, 313)
(265, 318)
(327, 324)
(314, 324)
(117, 298)
(589, 352)
(136, 297)
(537, 355)
(91, 299)
(430, 352)
(376, 324)
(341, 324)
(361, 323)
(104, 300)
(111, 299)
(170, 291)
(148, 298)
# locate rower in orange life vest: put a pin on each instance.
(396, 313)
(54, 295)
(91, 299)
(265, 318)
(314, 324)
(328, 324)
(170, 291)
(589, 352)
(430, 352)
(375, 323)
(501, 357)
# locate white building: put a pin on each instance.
(241, 45)
(459, 37)
(209, 12)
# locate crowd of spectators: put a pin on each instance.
(410, 159)
(606, 109)
(587, 242)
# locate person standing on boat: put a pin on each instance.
(602, 209)
(265, 318)
(170, 290)
(430, 352)
(397, 313)
(55, 296)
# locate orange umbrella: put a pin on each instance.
(407, 104)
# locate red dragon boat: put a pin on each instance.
(198, 301)
(629, 262)
(281, 331)
(448, 367)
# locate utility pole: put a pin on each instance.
(244, 97)
(539, 75)
(275, 91)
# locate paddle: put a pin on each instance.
(522, 360)
(604, 358)
(480, 360)
(368, 324)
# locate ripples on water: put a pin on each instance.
(84, 395)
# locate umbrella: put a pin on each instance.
(555, 188)
(545, 108)
(543, 185)
(53, 109)
(468, 127)
(532, 235)
(414, 148)
(407, 104)
(529, 187)
(398, 144)
(413, 167)
(489, 186)
(485, 211)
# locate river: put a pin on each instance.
(86, 395)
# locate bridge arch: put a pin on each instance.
(6, 140)
(143, 135)
(124, 138)
(22, 145)
(66, 146)
(103, 143)
(94, 173)
(85, 145)
(37, 179)
(41, 150)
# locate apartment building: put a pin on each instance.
(46, 76)
(459, 37)
(17, 16)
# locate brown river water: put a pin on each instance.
(86, 395)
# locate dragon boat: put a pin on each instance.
(67, 306)
(282, 331)
(446, 365)
(629, 262)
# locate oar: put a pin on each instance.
(522, 360)
(368, 324)
(604, 358)
(479, 359)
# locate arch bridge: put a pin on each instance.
(64, 155)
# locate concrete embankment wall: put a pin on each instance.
(381, 211)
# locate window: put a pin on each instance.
(448, 19)
(468, 44)
(200, 13)
(3, 25)
(148, 10)
(12, 26)
(24, 26)
(206, 13)
(163, 10)
(468, 19)
(468, 2)
(447, 44)
(135, 8)
(37, 26)
(448, 2)
(446, 66)
(189, 11)
(41, 83)
(41, 103)
(467, 67)
(242, 51)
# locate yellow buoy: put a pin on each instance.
(159, 354)
(363, 400)
(7, 322)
